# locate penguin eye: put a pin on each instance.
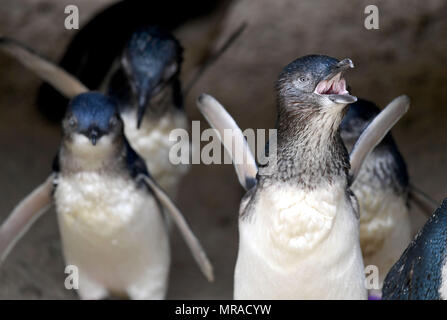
(72, 122)
(113, 121)
(170, 71)
(302, 79)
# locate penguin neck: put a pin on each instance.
(310, 152)
(168, 100)
(384, 170)
(74, 158)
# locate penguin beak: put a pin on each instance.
(94, 135)
(333, 85)
(145, 95)
(142, 104)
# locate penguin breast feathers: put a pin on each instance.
(296, 220)
(95, 201)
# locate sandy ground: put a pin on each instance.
(407, 55)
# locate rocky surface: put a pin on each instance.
(406, 55)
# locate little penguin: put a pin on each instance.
(298, 226)
(146, 83)
(109, 209)
(298, 223)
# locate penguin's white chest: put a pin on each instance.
(151, 141)
(114, 233)
(300, 245)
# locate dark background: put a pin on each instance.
(406, 55)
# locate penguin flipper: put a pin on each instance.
(24, 215)
(190, 239)
(423, 201)
(220, 120)
(60, 79)
(375, 132)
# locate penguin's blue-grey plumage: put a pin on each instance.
(421, 271)
(150, 61)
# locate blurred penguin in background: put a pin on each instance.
(383, 192)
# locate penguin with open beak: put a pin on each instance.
(298, 222)
(298, 226)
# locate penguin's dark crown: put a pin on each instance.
(357, 118)
(151, 61)
(152, 54)
(94, 115)
(389, 166)
(92, 108)
(359, 115)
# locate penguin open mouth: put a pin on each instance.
(335, 85)
(335, 89)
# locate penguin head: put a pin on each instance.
(151, 60)
(357, 118)
(92, 122)
(315, 80)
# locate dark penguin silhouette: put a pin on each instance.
(421, 272)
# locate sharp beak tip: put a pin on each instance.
(141, 110)
(93, 137)
(346, 63)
